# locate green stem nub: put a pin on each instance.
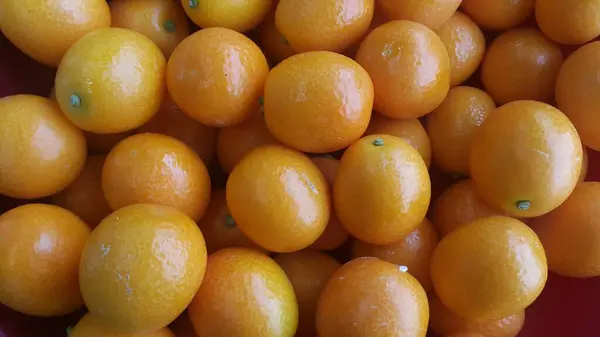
(523, 205)
(69, 329)
(75, 101)
(284, 40)
(403, 269)
(378, 142)
(229, 222)
(169, 26)
(193, 3)
(261, 101)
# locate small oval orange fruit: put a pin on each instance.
(429, 13)
(498, 14)
(240, 16)
(89, 326)
(569, 21)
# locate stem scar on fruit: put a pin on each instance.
(229, 222)
(523, 205)
(169, 26)
(261, 100)
(75, 101)
(378, 142)
(193, 3)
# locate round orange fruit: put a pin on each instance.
(40, 247)
(318, 102)
(409, 66)
(429, 13)
(240, 16)
(90, 326)
(570, 233)
(576, 88)
(413, 252)
(216, 76)
(569, 21)
(490, 268)
(163, 21)
(382, 189)
(244, 293)
(84, 196)
(156, 169)
(96, 87)
(525, 158)
(279, 198)
(521, 64)
(465, 44)
(46, 29)
(498, 14)
(372, 297)
(41, 152)
(308, 271)
(141, 267)
(325, 25)
(452, 126)
(277, 47)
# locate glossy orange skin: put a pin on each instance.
(141, 267)
(103, 143)
(413, 251)
(452, 126)
(498, 14)
(465, 44)
(489, 269)
(219, 228)
(442, 321)
(240, 16)
(156, 169)
(381, 193)
(409, 130)
(216, 76)
(569, 21)
(89, 326)
(318, 102)
(84, 197)
(372, 297)
(429, 13)
(163, 21)
(534, 62)
(279, 198)
(570, 233)
(40, 247)
(325, 25)
(576, 88)
(41, 153)
(244, 293)
(525, 151)
(308, 271)
(277, 48)
(171, 121)
(459, 205)
(409, 66)
(236, 141)
(98, 70)
(46, 29)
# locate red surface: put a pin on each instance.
(566, 308)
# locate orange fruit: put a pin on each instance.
(521, 64)
(40, 247)
(413, 252)
(236, 141)
(458, 205)
(163, 21)
(409, 130)
(570, 233)
(382, 189)
(141, 267)
(489, 269)
(171, 121)
(240, 16)
(576, 88)
(569, 21)
(318, 102)
(41, 153)
(498, 14)
(334, 235)
(331, 25)
(308, 271)
(525, 158)
(443, 321)
(216, 76)
(103, 143)
(244, 293)
(409, 66)
(465, 44)
(156, 169)
(219, 228)
(584, 164)
(429, 13)
(277, 48)
(452, 126)
(96, 87)
(372, 297)
(84, 196)
(45, 29)
(90, 326)
(279, 198)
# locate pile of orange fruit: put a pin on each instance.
(264, 168)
